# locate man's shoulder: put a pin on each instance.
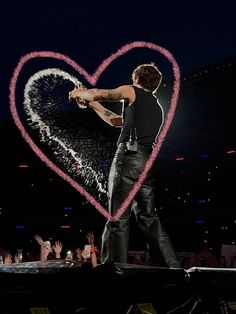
(128, 92)
(126, 87)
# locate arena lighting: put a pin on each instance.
(199, 221)
(67, 209)
(179, 158)
(23, 166)
(64, 227)
(230, 152)
(20, 227)
(224, 227)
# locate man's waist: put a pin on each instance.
(140, 147)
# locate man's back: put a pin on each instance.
(145, 115)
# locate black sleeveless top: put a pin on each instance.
(146, 115)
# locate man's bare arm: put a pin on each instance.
(108, 95)
(106, 115)
(125, 92)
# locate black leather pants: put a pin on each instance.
(125, 171)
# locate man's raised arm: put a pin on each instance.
(124, 92)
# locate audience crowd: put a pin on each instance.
(204, 257)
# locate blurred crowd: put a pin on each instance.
(90, 253)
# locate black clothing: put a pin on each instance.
(146, 115)
(124, 173)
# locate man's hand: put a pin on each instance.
(75, 93)
(82, 103)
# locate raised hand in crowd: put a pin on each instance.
(57, 248)
(8, 259)
(45, 247)
(90, 237)
(79, 254)
(92, 248)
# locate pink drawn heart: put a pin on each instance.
(92, 79)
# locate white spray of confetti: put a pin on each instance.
(49, 135)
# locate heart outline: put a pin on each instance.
(92, 79)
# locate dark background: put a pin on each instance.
(201, 36)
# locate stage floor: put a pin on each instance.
(57, 286)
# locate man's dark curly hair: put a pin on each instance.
(147, 76)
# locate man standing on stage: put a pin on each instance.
(141, 123)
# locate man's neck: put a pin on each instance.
(141, 87)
